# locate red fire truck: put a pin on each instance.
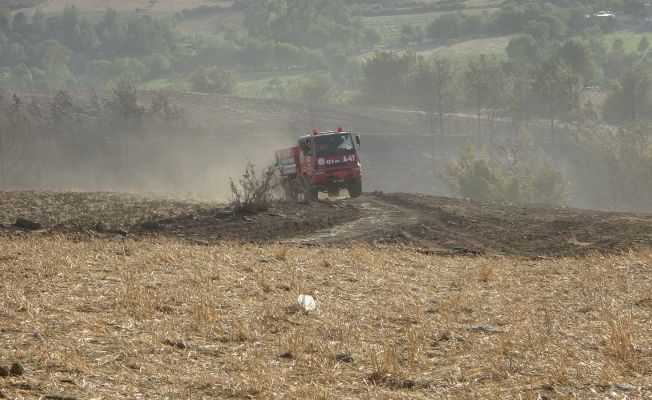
(321, 162)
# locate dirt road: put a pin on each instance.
(435, 225)
(449, 226)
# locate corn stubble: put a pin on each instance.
(161, 318)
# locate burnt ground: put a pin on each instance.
(450, 226)
(434, 224)
(132, 215)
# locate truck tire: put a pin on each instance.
(333, 191)
(309, 191)
(355, 189)
(290, 193)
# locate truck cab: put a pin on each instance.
(326, 162)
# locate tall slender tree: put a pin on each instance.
(486, 89)
(558, 89)
(431, 82)
(631, 98)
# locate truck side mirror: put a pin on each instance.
(357, 140)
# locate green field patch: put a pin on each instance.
(271, 83)
(470, 48)
(389, 27)
(630, 39)
(159, 84)
(460, 51)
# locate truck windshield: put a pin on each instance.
(334, 144)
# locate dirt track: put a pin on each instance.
(434, 224)
(448, 226)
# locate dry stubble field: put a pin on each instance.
(161, 318)
(162, 314)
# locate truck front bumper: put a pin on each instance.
(328, 177)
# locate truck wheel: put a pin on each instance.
(355, 189)
(333, 192)
(290, 193)
(309, 192)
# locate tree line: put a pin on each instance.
(71, 51)
(514, 92)
(44, 138)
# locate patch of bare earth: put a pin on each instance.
(435, 225)
(446, 226)
(78, 214)
(163, 318)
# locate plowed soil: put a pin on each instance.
(433, 224)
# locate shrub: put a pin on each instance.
(213, 80)
(517, 174)
(475, 175)
(253, 193)
(627, 155)
(124, 101)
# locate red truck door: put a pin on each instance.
(306, 157)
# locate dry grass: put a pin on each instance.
(166, 319)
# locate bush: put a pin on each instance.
(519, 174)
(213, 80)
(475, 175)
(253, 194)
(627, 155)
(124, 101)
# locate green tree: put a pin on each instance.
(158, 64)
(447, 26)
(617, 60)
(5, 20)
(634, 7)
(643, 45)
(521, 174)
(124, 101)
(62, 111)
(370, 36)
(38, 27)
(20, 23)
(631, 98)
(522, 99)
(232, 33)
(523, 47)
(474, 175)
(257, 18)
(55, 59)
(556, 27)
(312, 92)
(22, 77)
(130, 66)
(213, 80)
(627, 154)
(577, 54)
(485, 84)
(385, 76)
(286, 55)
(411, 33)
(255, 53)
(538, 30)
(14, 125)
(558, 89)
(431, 83)
(17, 54)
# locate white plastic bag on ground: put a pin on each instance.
(307, 302)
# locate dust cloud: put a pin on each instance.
(212, 138)
(182, 156)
